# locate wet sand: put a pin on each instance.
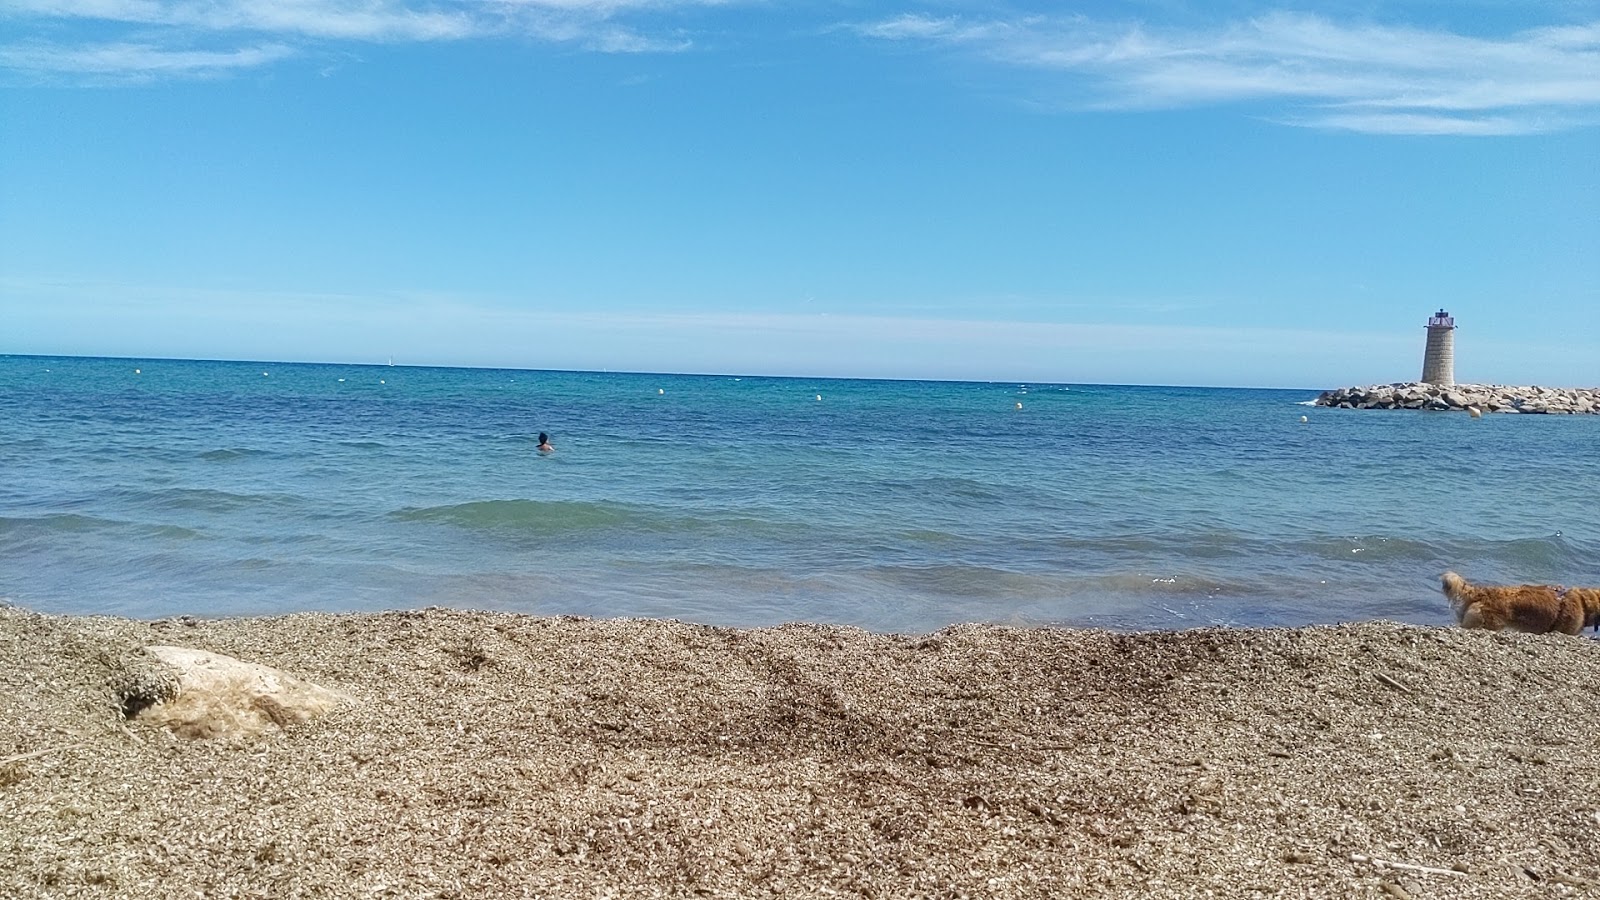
(496, 755)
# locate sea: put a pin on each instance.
(156, 488)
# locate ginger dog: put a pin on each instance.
(1534, 608)
(1589, 599)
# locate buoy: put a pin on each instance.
(381, 381)
(264, 375)
(661, 390)
(819, 396)
(1304, 420)
(1474, 412)
(1019, 404)
(341, 381)
(136, 371)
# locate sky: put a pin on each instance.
(1147, 191)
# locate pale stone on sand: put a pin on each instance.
(219, 696)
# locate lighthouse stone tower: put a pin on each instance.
(1439, 358)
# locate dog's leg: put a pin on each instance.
(1473, 615)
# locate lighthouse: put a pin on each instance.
(1439, 358)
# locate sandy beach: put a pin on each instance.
(498, 755)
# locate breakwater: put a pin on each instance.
(1487, 398)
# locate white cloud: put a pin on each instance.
(151, 61)
(1314, 71)
(369, 21)
(166, 38)
(1421, 124)
(619, 40)
(914, 26)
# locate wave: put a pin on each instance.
(1515, 559)
(73, 523)
(941, 489)
(1554, 558)
(536, 516)
(978, 581)
(66, 522)
(1368, 548)
(712, 530)
(206, 499)
(230, 454)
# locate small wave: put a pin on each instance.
(230, 454)
(976, 581)
(1306, 403)
(206, 499)
(73, 523)
(929, 536)
(540, 516)
(966, 581)
(1157, 584)
(742, 529)
(1371, 548)
(364, 445)
(945, 489)
(1132, 545)
(1555, 558)
(68, 522)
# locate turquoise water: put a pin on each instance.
(158, 487)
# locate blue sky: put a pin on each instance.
(1230, 193)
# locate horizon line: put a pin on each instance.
(487, 368)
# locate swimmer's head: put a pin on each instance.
(544, 438)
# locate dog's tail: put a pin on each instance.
(1455, 588)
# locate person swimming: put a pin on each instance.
(544, 443)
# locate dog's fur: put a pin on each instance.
(1589, 599)
(1534, 608)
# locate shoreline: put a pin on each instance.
(1475, 398)
(501, 754)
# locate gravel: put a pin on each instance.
(498, 755)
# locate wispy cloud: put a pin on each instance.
(1305, 69)
(148, 60)
(200, 38)
(371, 21)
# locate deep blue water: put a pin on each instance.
(157, 487)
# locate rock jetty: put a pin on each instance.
(1466, 397)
